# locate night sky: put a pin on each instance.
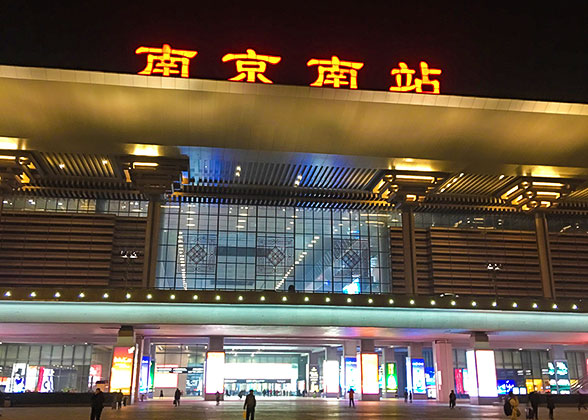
(508, 49)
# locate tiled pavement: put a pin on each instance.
(276, 409)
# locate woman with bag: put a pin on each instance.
(514, 403)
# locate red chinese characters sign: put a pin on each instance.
(251, 68)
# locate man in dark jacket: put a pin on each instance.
(97, 404)
(534, 399)
(250, 406)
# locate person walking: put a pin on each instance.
(97, 404)
(161, 393)
(581, 401)
(514, 404)
(405, 395)
(452, 399)
(217, 397)
(410, 397)
(177, 396)
(249, 406)
(351, 397)
(534, 400)
(550, 406)
(1, 401)
(119, 400)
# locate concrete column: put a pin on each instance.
(137, 369)
(409, 245)
(544, 251)
(444, 376)
(330, 372)
(214, 377)
(349, 368)
(415, 351)
(151, 242)
(367, 373)
(389, 357)
(557, 352)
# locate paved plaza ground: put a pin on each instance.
(275, 409)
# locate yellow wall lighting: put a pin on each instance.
(380, 185)
(548, 184)
(9, 143)
(411, 197)
(518, 200)
(424, 178)
(145, 164)
(510, 192)
(545, 204)
(6, 157)
(545, 194)
(146, 150)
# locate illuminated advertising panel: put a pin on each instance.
(562, 377)
(470, 379)
(144, 375)
(95, 375)
(391, 377)
(215, 372)
(458, 374)
(331, 376)
(351, 374)
(121, 374)
(486, 373)
(419, 385)
(369, 374)
(45, 383)
(17, 379)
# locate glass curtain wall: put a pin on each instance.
(233, 247)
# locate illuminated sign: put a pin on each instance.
(351, 374)
(481, 373)
(458, 374)
(331, 376)
(17, 379)
(334, 72)
(369, 373)
(95, 375)
(314, 379)
(165, 376)
(251, 66)
(215, 372)
(391, 377)
(165, 60)
(559, 377)
(144, 374)
(418, 376)
(121, 373)
(45, 383)
(417, 86)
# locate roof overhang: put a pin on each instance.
(93, 112)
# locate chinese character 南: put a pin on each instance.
(418, 84)
(166, 60)
(251, 66)
(335, 72)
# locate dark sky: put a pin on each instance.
(510, 49)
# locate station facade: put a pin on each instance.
(160, 233)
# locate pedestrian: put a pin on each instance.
(161, 394)
(410, 397)
(1, 401)
(534, 400)
(217, 397)
(119, 398)
(581, 401)
(177, 396)
(550, 406)
(351, 395)
(405, 395)
(452, 399)
(249, 406)
(514, 404)
(97, 404)
(241, 394)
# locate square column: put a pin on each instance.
(444, 375)
(370, 386)
(481, 377)
(331, 373)
(390, 373)
(214, 369)
(350, 368)
(415, 372)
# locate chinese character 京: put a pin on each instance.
(335, 72)
(418, 83)
(251, 66)
(166, 60)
